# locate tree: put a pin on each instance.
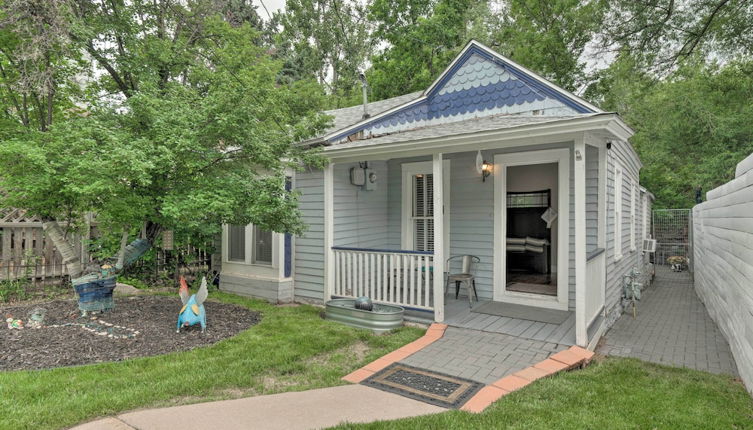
(692, 128)
(187, 129)
(662, 33)
(422, 38)
(550, 36)
(326, 40)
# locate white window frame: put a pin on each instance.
(407, 232)
(618, 190)
(248, 267)
(633, 219)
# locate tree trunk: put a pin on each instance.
(70, 259)
(121, 251)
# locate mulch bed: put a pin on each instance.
(139, 326)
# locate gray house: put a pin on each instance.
(491, 160)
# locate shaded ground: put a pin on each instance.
(672, 327)
(137, 327)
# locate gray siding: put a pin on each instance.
(471, 212)
(592, 198)
(360, 216)
(309, 248)
(623, 154)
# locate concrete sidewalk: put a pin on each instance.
(313, 409)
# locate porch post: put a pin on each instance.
(581, 331)
(329, 227)
(439, 245)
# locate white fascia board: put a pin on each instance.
(559, 131)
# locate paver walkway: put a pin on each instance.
(481, 356)
(672, 327)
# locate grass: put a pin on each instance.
(613, 393)
(291, 349)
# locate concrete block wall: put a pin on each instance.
(723, 262)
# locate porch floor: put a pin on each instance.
(458, 314)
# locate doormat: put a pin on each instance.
(424, 385)
(530, 313)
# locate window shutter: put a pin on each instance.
(423, 212)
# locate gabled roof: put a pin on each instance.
(478, 83)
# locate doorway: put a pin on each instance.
(531, 196)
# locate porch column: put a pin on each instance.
(329, 229)
(439, 254)
(581, 331)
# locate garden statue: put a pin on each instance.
(193, 306)
(95, 288)
(364, 303)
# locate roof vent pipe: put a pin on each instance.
(364, 88)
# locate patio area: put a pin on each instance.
(673, 328)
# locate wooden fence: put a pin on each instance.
(27, 253)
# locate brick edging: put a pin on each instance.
(563, 360)
(434, 333)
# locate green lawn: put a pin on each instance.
(613, 393)
(291, 349)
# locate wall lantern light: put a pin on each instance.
(483, 167)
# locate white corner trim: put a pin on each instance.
(501, 163)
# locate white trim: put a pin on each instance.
(607, 125)
(247, 267)
(440, 170)
(501, 163)
(329, 229)
(579, 203)
(408, 170)
(633, 218)
(617, 193)
(501, 57)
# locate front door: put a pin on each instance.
(531, 250)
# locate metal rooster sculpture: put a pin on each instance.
(193, 307)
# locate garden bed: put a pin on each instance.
(139, 326)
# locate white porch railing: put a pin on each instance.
(594, 287)
(397, 277)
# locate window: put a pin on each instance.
(417, 205)
(422, 217)
(617, 211)
(260, 243)
(236, 235)
(632, 217)
(262, 246)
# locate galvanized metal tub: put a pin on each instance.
(381, 319)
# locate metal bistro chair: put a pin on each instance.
(464, 276)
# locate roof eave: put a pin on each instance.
(487, 139)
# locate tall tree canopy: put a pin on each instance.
(184, 125)
(326, 40)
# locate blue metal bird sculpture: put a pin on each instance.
(193, 307)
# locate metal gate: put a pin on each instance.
(672, 230)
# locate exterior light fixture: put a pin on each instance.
(486, 170)
(578, 155)
(483, 167)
